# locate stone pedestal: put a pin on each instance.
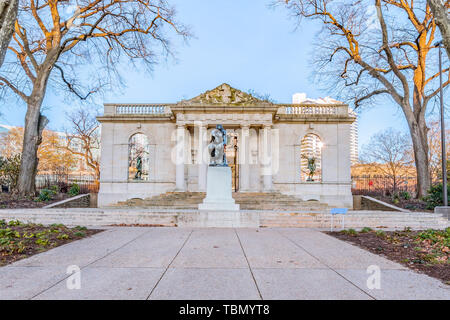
(443, 210)
(218, 190)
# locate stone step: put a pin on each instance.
(247, 201)
(195, 218)
(262, 201)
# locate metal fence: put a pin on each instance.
(382, 185)
(64, 182)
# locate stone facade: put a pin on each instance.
(268, 150)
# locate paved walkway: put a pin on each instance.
(176, 263)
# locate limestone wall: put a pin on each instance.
(114, 183)
(335, 187)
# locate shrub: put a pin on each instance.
(434, 196)
(14, 223)
(405, 195)
(366, 230)
(63, 187)
(350, 232)
(45, 195)
(380, 233)
(79, 234)
(74, 190)
(42, 242)
(9, 171)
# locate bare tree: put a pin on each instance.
(8, 15)
(83, 139)
(364, 55)
(440, 9)
(390, 152)
(55, 39)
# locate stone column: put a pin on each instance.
(180, 158)
(267, 158)
(244, 158)
(202, 161)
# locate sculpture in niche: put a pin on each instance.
(138, 157)
(216, 147)
(312, 168)
(138, 168)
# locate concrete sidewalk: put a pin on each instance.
(182, 263)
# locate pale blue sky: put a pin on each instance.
(241, 42)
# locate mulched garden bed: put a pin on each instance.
(410, 204)
(8, 201)
(19, 240)
(423, 251)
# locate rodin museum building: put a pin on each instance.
(301, 149)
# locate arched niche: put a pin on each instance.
(311, 158)
(138, 157)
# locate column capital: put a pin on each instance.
(200, 124)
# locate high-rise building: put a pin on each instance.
(354, 139)
(300, 98)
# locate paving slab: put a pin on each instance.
(211, 248)
(306, 284)
(85, 251)
(173, 263)
(336, 253)
(400, 284)
(206, 284)
(107, 284)
(26, 282)
(156, 248)
(266, 248)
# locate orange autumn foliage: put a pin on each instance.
(52, 159)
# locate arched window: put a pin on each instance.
(138, 157)
(311, 158)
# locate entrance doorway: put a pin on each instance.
(232, 151)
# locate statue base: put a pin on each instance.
(218, 190)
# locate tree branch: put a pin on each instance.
(13, 88)
(373, 93)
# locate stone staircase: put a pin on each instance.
(247, 201)
(354, 219)
(128, 216)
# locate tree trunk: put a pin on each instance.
(35, 123)
(420, 146)
(441, 16)
(8, 15)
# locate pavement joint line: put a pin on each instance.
(168, 266)
(332, 269)
(248, 263)
(87, 265)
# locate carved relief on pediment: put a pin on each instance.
(223, 95)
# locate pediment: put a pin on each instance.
(224, 95)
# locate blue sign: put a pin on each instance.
(339, 210)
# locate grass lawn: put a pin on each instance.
(19, 240)
(425, 251)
